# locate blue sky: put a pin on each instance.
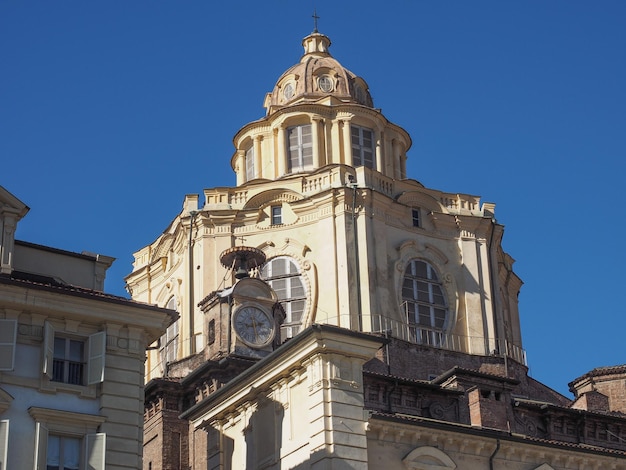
(110, 112)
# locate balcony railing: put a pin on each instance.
(69, 372)
(438, 339)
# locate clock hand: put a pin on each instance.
(256, 333)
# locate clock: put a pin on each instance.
(253, 326)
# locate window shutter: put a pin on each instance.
(8, 332)
(95, 363)
(4, 443)
(41, 446)
(48, 349)
(95, 450)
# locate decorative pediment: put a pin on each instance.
(427, 458)
(10, 204)
(272, 196)
(420, 199)
(163, 247)
(11, 211)
(413, 248)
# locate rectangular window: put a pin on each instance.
(277, 215)
(66, 440)
(250, 171)
(415, 214)
(362, 146)
(170, 342)
(74, 361)
(68, 361)
(211, 332)
(4, 443)
(8, 332)
(300, 148)
(63, 453)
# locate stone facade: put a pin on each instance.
(71, 358)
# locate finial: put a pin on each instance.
(315, 18)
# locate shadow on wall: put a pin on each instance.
(263, 440)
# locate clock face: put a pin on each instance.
(253, 326)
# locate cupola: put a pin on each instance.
(319, 115)
(317, 75)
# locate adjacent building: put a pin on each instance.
(71, 357)
(336, 313)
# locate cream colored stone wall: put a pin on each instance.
(103, 405)
(317, 233)
(305, 408)
(116, 403)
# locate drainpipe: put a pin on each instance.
(192, 342)
(494, 454)
(357, 263)
(230, 320)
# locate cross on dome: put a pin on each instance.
(315, 18)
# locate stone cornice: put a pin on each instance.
(314, 341)
(87, 306)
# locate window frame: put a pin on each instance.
(8, 341)
(168, 346)
(297, 161)
(70, 370)
(63, 441)
(324, 80)
(289, 90)
(276, 215)
(169, 343)
(95, 353)
(4, 443)
(431, 333)
(250, 167)
(289, 327)
(360, 149)
(416, 217)
(69, 424)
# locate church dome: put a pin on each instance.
(318, 75)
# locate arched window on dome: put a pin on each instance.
(425, 303)
(283, 275)
(362, 146)
(299, 148)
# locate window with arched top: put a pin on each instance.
(428, 458)
(169, 341)
(283, 275)
(424, 302)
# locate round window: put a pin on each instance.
(325, 83)
(288, 91)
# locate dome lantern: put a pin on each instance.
(316, 43)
